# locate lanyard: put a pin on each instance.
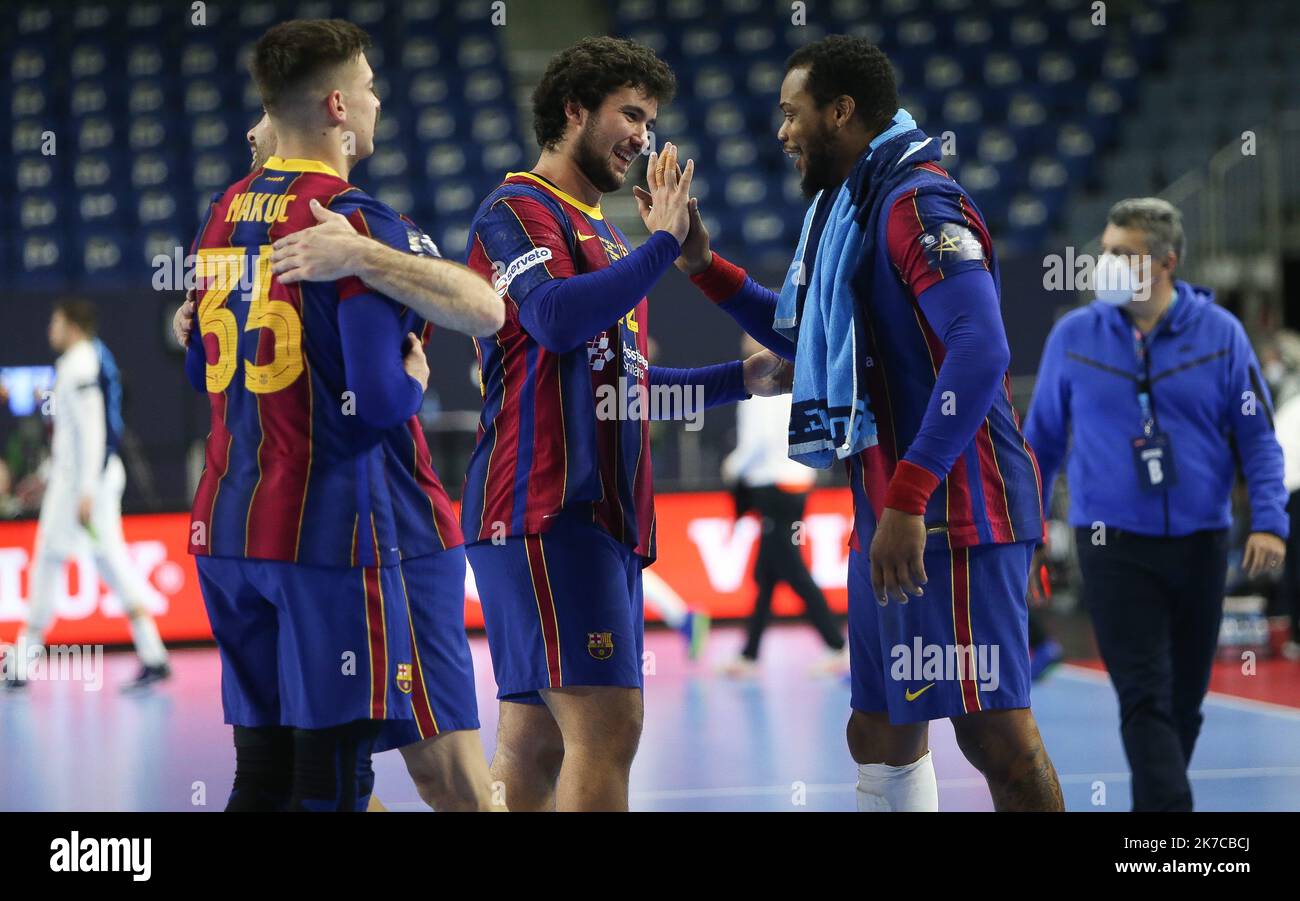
(1145, 402)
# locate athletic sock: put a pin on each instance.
(884, 788)
(263, 768)
(148, 643)
(332, 769)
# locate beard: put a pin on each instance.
(594, 163)
(262, 151)
(818, 172)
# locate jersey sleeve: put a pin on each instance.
(521, 245)
(933, 236)
(379, 221)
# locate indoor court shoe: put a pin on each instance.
(696, 631)
(1043, 657)
(148, 676)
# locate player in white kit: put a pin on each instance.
(82, 506)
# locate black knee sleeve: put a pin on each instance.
(263, 768)
(331, 767)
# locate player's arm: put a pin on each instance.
(196, 362)
(722, 383)
(942, 260)
(752, 305)
(444, 292)
(384, 367)
(563, 313)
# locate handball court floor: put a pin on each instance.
(774, 743)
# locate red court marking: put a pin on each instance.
(1275, 681)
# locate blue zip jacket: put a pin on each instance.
(1207, 396)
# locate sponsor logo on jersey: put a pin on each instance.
(519, 266)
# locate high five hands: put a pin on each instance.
(666, 182)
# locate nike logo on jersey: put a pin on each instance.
(910, 695)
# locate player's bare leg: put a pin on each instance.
(530, 751)
(450, 771)
(601, 726)
(895, 772)
(1005, 746)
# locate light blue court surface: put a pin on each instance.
(775, 743)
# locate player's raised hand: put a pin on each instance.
(414, 361)
(322, 253)
(696, 255)
(183, 320)
(767, 374)
(667, 206)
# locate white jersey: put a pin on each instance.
(762, 454)
(79, 448)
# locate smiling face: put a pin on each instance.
(610, 137)
(806, 133)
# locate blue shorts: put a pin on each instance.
(307, 646)
(441, 682)
(961, 648)
(561, 608)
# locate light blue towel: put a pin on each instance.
(830, 416)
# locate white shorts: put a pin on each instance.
(58, 531)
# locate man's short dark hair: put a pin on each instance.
(80, 313)
(292, 53)
(588, 72)
(839, 64)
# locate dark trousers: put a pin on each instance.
(779, 561)
(1290, 587)
(1156, 605)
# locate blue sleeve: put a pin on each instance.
(372, 335)
(1250, 417)
(196, 364)
(1047, 425)
(963, 311)
(563, 313)
(723, 383)
(377, 220)
(754, 308)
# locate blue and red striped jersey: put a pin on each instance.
(426, 519)
(991, 494)
(541, 447)
(291, 473)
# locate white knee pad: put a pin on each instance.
(883, 788)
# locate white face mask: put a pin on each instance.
(1114, 281)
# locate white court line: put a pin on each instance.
(1099, 677)
(751, 791)
(962, 782)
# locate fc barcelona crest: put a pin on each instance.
(600, 645)
(404, 677)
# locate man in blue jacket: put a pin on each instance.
(1157, 395)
